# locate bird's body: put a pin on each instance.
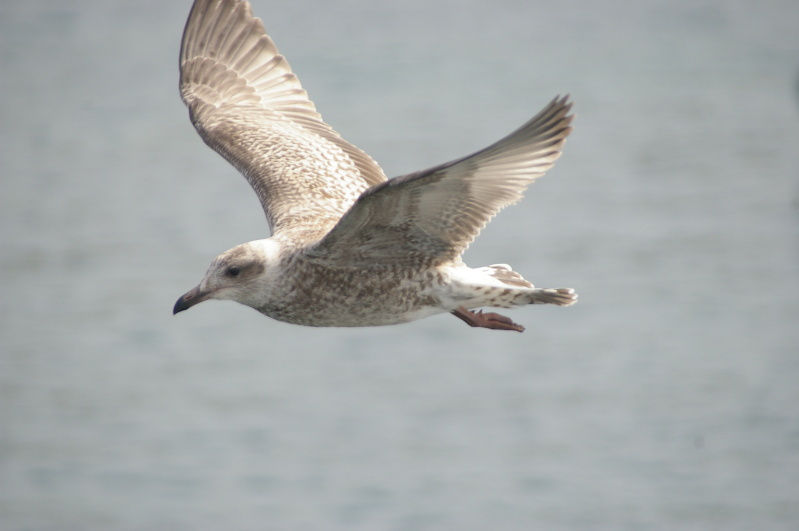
(349, 247)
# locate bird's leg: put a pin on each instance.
(493, 321)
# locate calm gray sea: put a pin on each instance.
(668, 398)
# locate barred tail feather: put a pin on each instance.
(559, 296)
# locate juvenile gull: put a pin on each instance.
(349, 247)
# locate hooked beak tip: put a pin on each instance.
(181, 305)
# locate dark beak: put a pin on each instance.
(195, 296)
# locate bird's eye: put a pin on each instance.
(233, 271)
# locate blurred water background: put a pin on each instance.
(668, 398)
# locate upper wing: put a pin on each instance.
(247, 105)
(432, 216)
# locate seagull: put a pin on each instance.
(349, 247)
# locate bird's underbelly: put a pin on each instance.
(343, 298)
(372, 315)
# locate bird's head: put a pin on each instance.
(241, 274)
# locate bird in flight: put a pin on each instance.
(349, 247)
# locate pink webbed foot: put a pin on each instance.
(491, 320)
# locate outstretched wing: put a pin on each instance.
(247, 105)
(432, 216)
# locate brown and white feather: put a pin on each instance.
(431, 217)
(248, 105)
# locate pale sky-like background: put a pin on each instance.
(665, 399)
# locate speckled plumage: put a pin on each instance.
(348, 246)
